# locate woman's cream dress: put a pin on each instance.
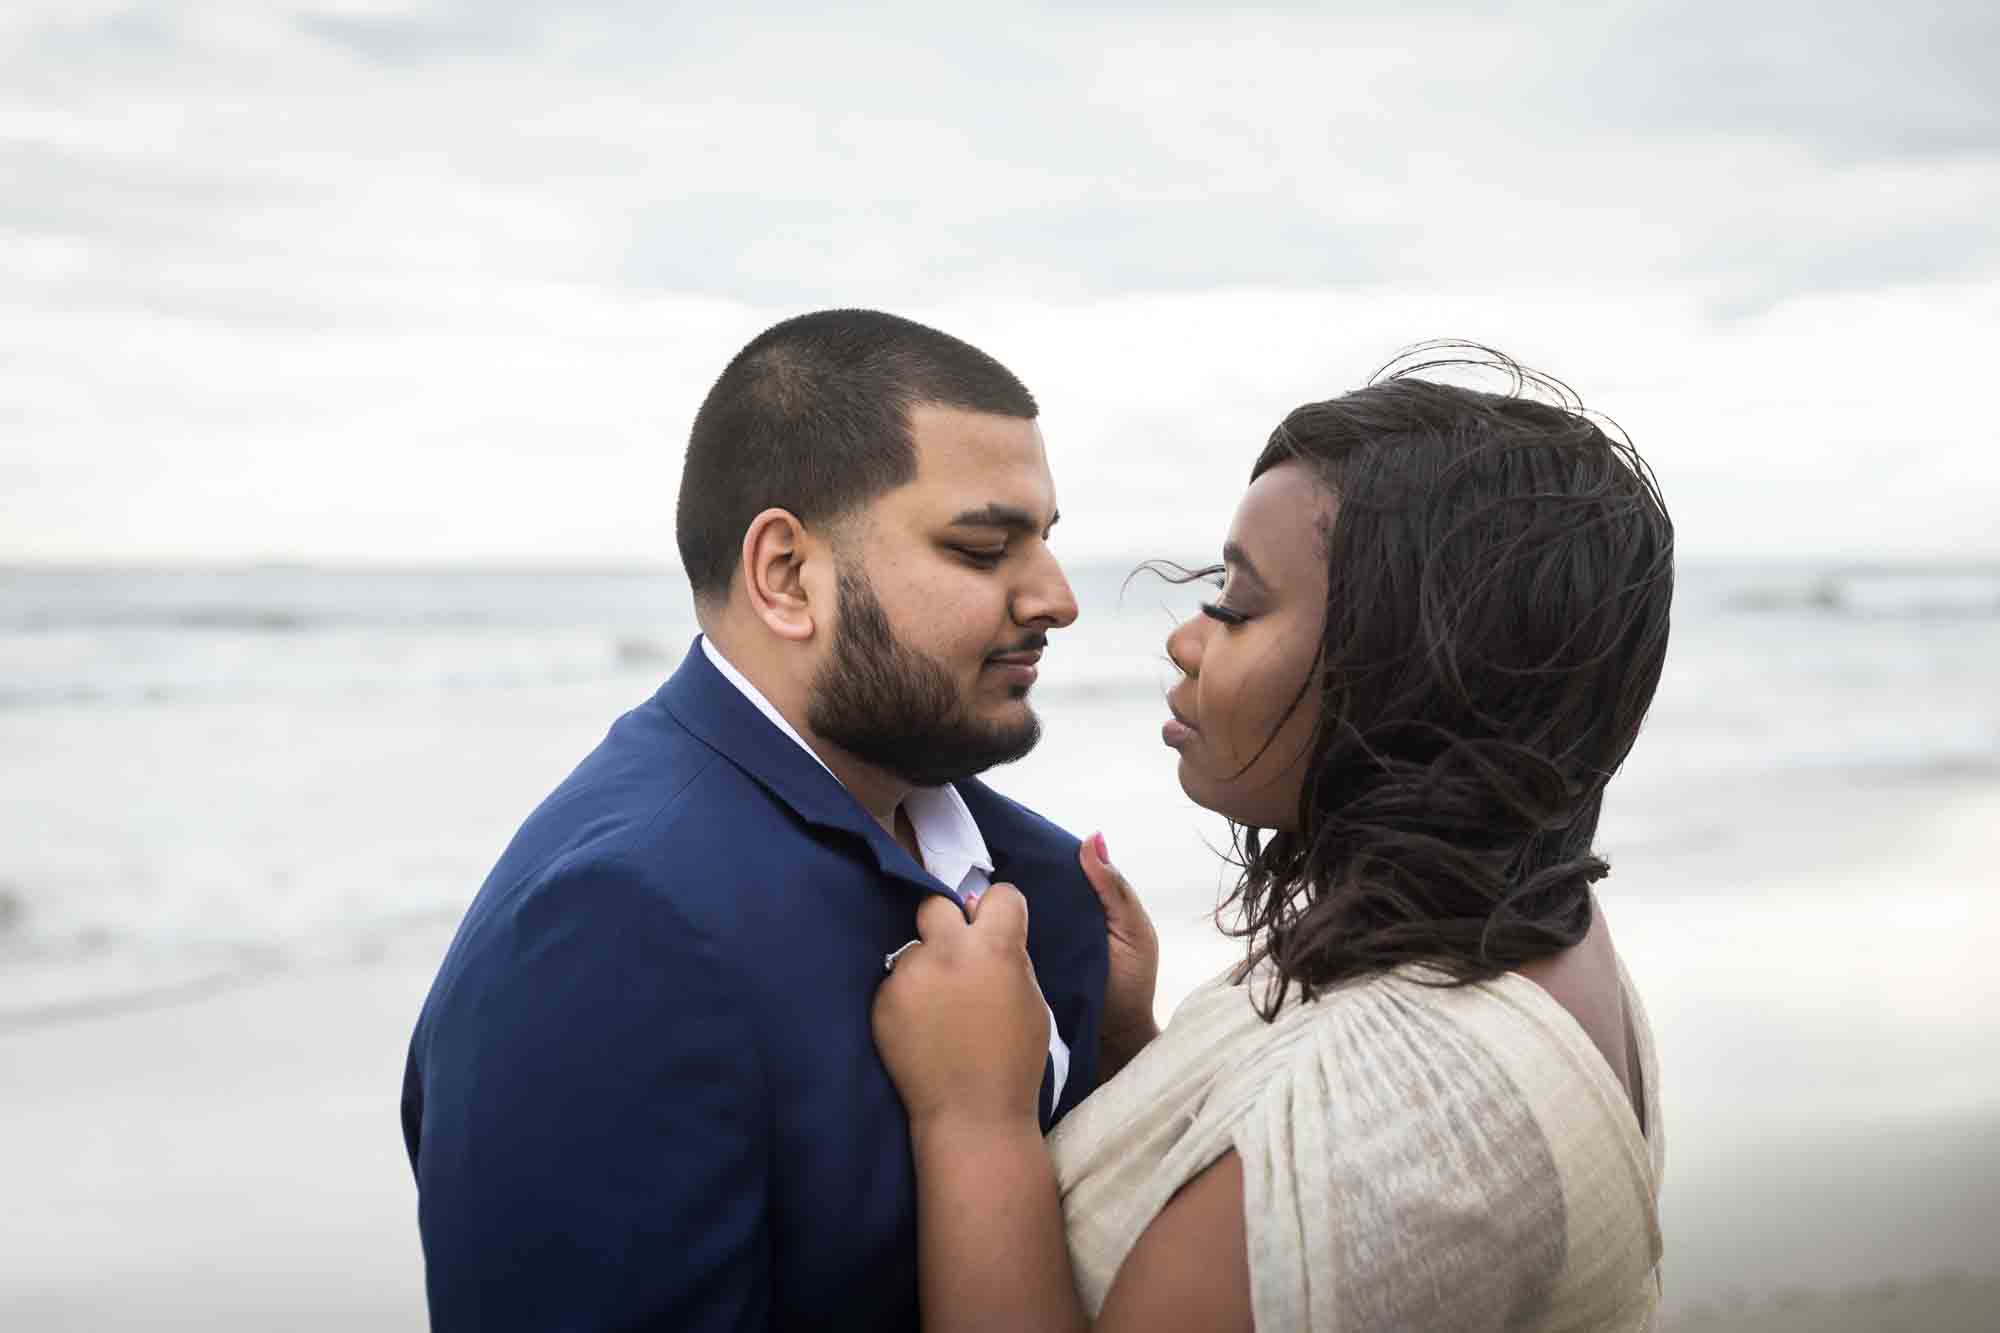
(1414, 1157)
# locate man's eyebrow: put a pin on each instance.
(1004, 516)
(1239, 559)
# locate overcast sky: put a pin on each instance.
(387, 281)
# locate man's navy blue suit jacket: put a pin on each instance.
(643, 1093)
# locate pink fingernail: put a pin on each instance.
(1103, 853)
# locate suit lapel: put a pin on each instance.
(714, 710)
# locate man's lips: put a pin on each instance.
(1019, 668)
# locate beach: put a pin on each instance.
(228, 905)
(226, 1161)
(232, 1160)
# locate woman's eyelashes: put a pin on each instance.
(1217, 610)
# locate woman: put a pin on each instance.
(1427, 1098)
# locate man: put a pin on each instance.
(643, 1092)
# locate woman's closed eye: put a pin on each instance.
(1219, 610)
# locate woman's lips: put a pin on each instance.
(1176, 732)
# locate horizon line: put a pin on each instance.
(1826, 564)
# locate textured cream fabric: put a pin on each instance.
(1413, 1157)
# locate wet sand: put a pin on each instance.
(231, 1161)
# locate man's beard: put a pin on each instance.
(896, 708)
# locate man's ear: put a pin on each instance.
(775, 546)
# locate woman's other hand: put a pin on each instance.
(1135, 961)
(960, 1022)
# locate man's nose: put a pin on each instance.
(1045, 597)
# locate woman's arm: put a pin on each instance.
(991, 1254)
(962, 1030)
(1191, 1268)
(990, 1249)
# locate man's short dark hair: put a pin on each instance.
(814, 417)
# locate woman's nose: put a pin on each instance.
(1184, 646)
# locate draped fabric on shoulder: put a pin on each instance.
(1414, 1157)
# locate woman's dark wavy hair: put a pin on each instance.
(1499, 580)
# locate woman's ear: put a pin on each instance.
(774, 558)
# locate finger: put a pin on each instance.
(938, 916)
(1004, 911)
(1112, 889)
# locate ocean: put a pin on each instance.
(212, 777)
(209, 772)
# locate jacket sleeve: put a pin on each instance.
(592, 1147)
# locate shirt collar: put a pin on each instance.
(756, 696)
(946, 832)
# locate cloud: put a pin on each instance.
(415, 280)
(404, 41)
(1850, 79)
(1089, 153)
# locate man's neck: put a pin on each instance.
(878, 792)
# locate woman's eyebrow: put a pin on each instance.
(1236, 558)
(1010, 517)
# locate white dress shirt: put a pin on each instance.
(954, 850)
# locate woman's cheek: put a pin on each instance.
(1229, 727)
(1254, 713)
